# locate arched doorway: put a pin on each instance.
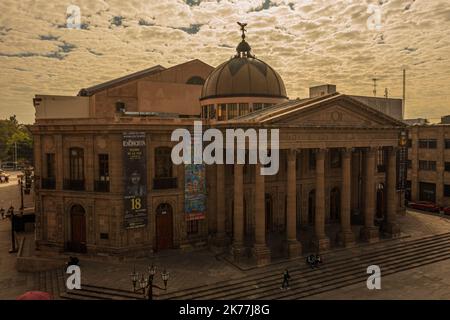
(164, 227)
(77, 229)
(381, 203)
(335, 204)
(311, 206)
(269, 212)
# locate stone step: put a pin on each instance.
(244, 281)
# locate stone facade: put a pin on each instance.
(429, 144)
(337, 167)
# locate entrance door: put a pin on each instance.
(311, 206)
(164, 227)
(78, 229)
(380, 202)
(335, 205)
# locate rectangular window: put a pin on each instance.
(204, 112)
(409, 143)
(76, 164)
(409, 164)
(427, 143)
(222, 112)
(48, 180)
(426, 165)
(381, 160)
(447, 143)
(243, 109)
(212, 111)
(446, 190)
(192, 227)
(103, 167)
(447, 166)
(50, 162)
(232, 111)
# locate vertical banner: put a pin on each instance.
(135, 179)
(194, 191)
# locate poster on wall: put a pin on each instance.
(195, 191)
(135, 179)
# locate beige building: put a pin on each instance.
(105, 182)
(429, 163)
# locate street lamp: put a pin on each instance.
(145, 282)
(13, 237)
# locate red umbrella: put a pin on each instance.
(35, 295)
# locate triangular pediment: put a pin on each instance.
(333, 111)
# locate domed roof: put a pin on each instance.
(243, 76)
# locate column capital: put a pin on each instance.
(291, 154)
(346, 152)
(320, 153)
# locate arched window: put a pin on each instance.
(196, 80)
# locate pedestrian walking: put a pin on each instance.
(2, 213)
(286, 277)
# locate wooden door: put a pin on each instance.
(164, 227)
(78, 229)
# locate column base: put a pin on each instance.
(392, 229)
(262, 255)
(370, 234)
(293, 248)
(346, 238)
(321, 243)
(237, 251)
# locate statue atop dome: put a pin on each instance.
(243, 49)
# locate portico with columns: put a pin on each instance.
(328, 155)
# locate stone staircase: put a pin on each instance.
(338, 271)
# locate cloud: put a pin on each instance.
(307, 41)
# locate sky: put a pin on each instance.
(308, 42)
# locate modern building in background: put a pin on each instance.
(105, 182)
(429, 163)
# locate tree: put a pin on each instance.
(12, 135)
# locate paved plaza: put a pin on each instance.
(196, 267)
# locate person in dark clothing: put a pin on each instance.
(286, 277)
(311, 261)
(73, 261)
(2, 213)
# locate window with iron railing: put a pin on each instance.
(163, 170)
(102, 184)
(76, 170)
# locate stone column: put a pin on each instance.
(369, 233)
(220, 196)
(238, 212)
(346, 235)
(260, 250)
(392, 227)
(293, 247)
(321, 241)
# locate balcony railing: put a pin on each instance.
(101, 186)
(48, 183)
(76, 185)
(165, 183)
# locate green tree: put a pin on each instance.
(12, 135)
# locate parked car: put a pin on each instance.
(425, 206)
(8, 165)
(446, 210)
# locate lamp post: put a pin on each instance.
(13, 236)
(144, 283)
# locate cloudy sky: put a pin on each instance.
(308, 42)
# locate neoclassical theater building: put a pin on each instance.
(106, 184)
